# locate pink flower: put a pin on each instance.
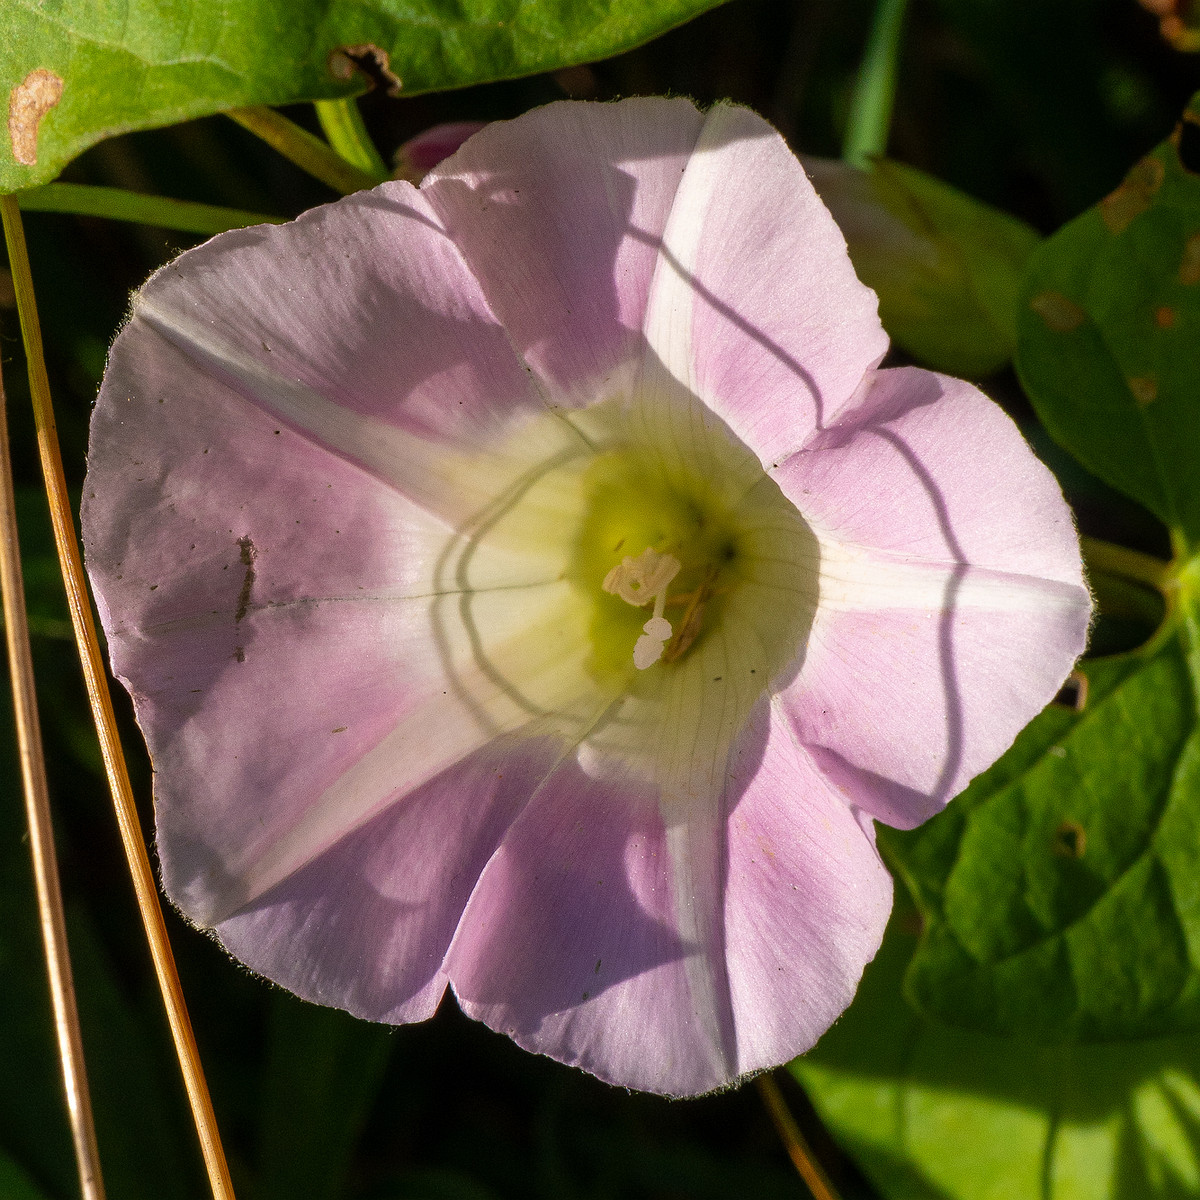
(381, 503)
(420, 154)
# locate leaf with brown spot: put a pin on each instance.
(28, 103)
(1109, 336)
(1144, 389)
(1059, 313)
(1134, 196)
(1189, 264)
(141, 66)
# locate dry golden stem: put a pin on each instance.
(102, 712)
(41, 833)
(793, 1140)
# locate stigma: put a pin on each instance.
(638, 581)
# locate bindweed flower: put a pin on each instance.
(528, 583)
(420, 154)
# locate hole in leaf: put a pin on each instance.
(1070, 840)
(371, 61)
(1073, 693)
(1188, 145)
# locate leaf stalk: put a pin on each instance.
(794, 1142)
(87, 200)
(299, 146)
(874, 93)
(342, 123)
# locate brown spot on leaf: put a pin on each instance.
(1070, 840)
(1144, 389)
(1164, 317)
(1134, 195)
(369, 60)
(1189, 264)
(28, 103)
(1060, 314)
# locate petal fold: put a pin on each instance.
(754, 306)
(952, 603)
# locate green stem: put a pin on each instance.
(343, 125)
(120, 205)
(309, 153)
(1126, 563)
(875, 89)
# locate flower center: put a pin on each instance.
(649, 536)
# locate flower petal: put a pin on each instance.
(241, 569)
(806, 902)
(272, 313)
(365, 926)
(755, 307)
(675, 956)
(560, 214)
(952, 603)
(580, 942)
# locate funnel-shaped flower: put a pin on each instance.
(527, 582)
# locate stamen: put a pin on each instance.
(638, 581)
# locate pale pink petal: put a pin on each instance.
(277, 615)
(576, 941)
(675, 957)
(927, 467)
(755, 307)
(560, 214)
(382, 348)
(365, 926)
(806, 902)
(952, 604)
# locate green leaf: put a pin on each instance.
(933, 1113)
(1061, 890)
(15, 1184)
(1109, 332)
(324, 1068)
(947, 268)
(134, 66)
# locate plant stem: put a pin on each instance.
(793, 1140)
(117, 204)
(309, 153)
(1128, 564)
(41, 834)
(92, 662)
(875, 89)
(343, 125)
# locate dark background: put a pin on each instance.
(1037, 106)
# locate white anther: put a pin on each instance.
(638, 581)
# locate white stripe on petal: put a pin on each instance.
(854, 578)
(450, 482)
